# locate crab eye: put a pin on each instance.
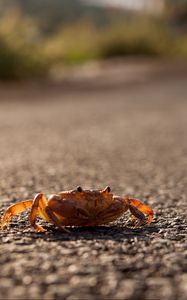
(79, 189)
(107, 189)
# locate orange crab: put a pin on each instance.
(80, 208)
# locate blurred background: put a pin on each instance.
(38, 37)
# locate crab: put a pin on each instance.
(80, 207)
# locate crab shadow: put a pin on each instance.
(113, 232)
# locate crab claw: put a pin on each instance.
(139, 210)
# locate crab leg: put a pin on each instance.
(54, 219)
(15, 209)
(138, 209)
(38, 209)
(137, 218)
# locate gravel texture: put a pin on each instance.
(133, 139)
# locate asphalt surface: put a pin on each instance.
(132, 138)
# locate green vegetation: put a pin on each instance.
(141, 36)
(26, 51)
(137, 36)
(20, 55)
